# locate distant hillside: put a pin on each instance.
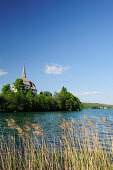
(96, 106)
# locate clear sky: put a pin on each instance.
(62, 43)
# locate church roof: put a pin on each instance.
(24, 72)
(26, 81)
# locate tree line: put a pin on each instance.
(96, 106)
(20, 101)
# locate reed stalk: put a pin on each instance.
(80, 148)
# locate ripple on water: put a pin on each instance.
(50, 122)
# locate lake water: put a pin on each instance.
(51, 121)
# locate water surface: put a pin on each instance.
(51, 121)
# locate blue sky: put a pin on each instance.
(62, 43)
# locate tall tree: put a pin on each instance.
(30, 97)
(19, 85)
(47, 93)
(62, 99)
(6, 89)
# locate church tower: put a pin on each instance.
(28, 84)
(24, 72)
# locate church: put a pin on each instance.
(28, 84)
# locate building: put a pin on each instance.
(28, 84)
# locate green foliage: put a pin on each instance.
(96, 106)
(67, 101)
(47, 93)
(21, 102)
(30, 99)
(3, 103)
(19, 85)
(6, 89)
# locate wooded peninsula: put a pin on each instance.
(19, 101)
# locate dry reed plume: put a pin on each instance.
(81, 148)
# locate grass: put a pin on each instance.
(80, 148)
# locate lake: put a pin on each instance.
(50, 121)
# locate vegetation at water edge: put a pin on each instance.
(96, 106)
(19, 101)
(80, 148)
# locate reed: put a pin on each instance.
(80, 148)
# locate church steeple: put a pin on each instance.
(24, 72)
(28, 84)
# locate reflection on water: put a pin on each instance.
(51, 122)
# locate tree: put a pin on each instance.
(3, 103)
(19, 85)
(30, 97)
(21, 102)
(63, 90)
(67, 101)
(6, 89)
(47, 93)
(62, 99)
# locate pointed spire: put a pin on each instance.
(24, 72)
